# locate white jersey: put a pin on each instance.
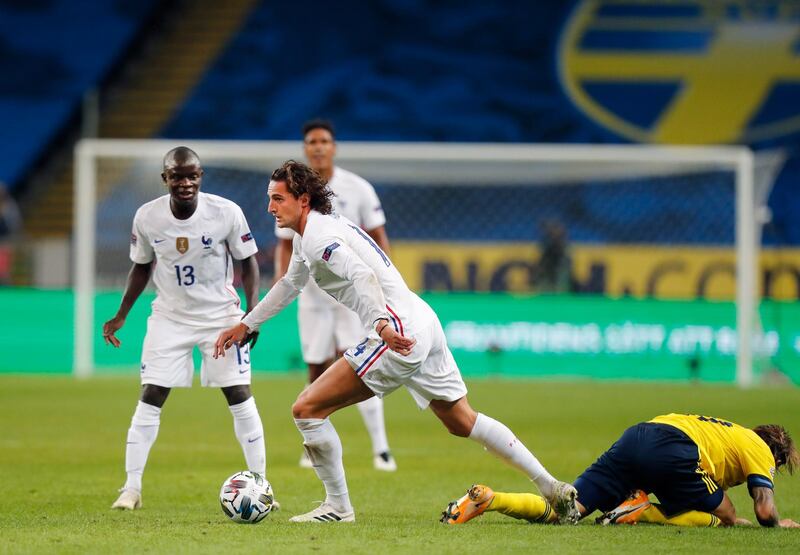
(193, 274)
(347, 265)
(357, 201)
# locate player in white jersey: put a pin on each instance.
(186, 240)
(327, 328)
(405, 345)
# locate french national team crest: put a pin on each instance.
(182, 244)
(688, 72)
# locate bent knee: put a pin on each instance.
(299, 409)
(459, 428)
(236, 394)
(302, 407)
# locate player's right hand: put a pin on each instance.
(789, 523)
(229, 337)
(110, 328)
(398, 343)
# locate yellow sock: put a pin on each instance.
(525, 506)
(655, 515)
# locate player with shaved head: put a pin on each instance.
(186, 241)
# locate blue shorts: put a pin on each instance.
(656, 458)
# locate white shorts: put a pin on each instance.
(167, 355)
(324, 332)
(429, 372)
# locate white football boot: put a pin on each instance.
(384, 462)
(564, 501)
(128, 500)
(325, 513)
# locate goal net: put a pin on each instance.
(570, 225)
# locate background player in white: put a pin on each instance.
(327, 328)
(406, 344)
(186, 240)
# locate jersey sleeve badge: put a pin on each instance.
(247, 237)
(326, 255)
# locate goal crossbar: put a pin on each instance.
(738, 159)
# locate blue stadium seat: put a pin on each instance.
(51, 51)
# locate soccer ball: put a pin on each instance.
(246, 497)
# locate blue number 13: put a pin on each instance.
(188, 275)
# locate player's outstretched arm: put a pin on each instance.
(137, 281)
(250, 279)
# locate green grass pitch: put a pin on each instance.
(62, 447)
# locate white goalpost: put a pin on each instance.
(114, 176)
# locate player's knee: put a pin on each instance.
(236, 394)
(155, 395)
(302, 407)
(459, 427)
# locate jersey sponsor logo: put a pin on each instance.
(247, 237)
(182, 244)
(690, 72)
(329, 251)
(206, 241)
(133, 239)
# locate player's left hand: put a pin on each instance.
(789, 523)
(228, 337)
(398, 343)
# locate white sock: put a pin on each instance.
(250, 433)
(141, 436)
(324, 448)
(498, 439)
(372, 412)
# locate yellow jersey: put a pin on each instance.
(729, 453)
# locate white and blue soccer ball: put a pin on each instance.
(246, 497)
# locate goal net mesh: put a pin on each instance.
(487, 218)
(587, 206)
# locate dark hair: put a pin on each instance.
(300, 179)
(780, 443)
(318, 124)
(180, 156)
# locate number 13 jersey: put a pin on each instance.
(193, 274)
